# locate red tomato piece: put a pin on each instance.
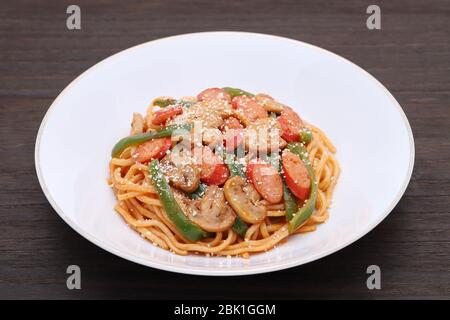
(266, 180)
(296, 175)
(213, 94)
(152, 149)
(251, 109)
(161, 116)
(290, 123)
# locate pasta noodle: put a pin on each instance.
(139, 205)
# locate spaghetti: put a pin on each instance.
(142, 205)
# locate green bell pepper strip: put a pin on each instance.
(185, 103)
(299, 149)
(143, 137)
(239, 152)
(236, 169)
(290, 202)
(234, 92)
(305, 135)
(170, 102)
(306, 211)
(275, 160)
(173, 210)
(240, 227)
(199, 192)
(164, 102)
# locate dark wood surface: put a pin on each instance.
(410, 55)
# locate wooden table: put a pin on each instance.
(410, 55)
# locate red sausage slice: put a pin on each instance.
(153, 149)
(290, 123)
(213, 94)
(266, 181)
(231, 123)
(296, 175)
(161, 116)
(213, 171)
(233, 138)
(251, 109)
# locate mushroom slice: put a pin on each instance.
(269, 103)
(212, 137)
(211, 213)
(137, 124)
(201, 112)
(264, 135)
(245, 200)
(222, 107)
(209, 117)
(185, 177)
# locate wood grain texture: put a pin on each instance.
(410, 55)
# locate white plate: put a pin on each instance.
(372, 135)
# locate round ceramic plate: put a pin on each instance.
(372, 135)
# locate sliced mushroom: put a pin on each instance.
(189, 98)
(269, 103)
(211, 212)
(184, 176)
(212, 137)
(209, 117)
(264, 135)
(222, 107)
(137, 124)
(245, 200)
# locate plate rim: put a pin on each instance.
(192, 270)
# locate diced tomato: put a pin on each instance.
(233, 138)
(213, 171)
(290, 124)
(251, 109)
(266, 180)
(213, 94)
(296, 175)
(161, 116)
(231, 123)
(152, 149)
